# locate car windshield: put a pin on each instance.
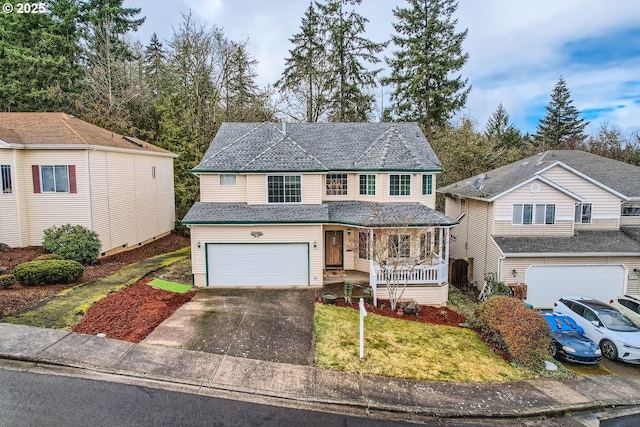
(617, 322)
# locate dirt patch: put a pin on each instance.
(19, 297)
(132, 313)
(425, 313)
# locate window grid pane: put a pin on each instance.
(284, 189)
(48, 179)
(399, 185)
(61, 179)
(517, 214)
(336, 184)
(550, 217)
(228, 179)
(427, 185)
(5, 179)
(527, 214)
(368, 185)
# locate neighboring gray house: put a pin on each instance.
(283, 204)
(563, 222)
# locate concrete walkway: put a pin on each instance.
(306, 386)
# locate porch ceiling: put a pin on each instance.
(354, 213)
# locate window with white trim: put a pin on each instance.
(583, 213)
(54, 179)
(228, 179)
(427, 185)
(631, 210)
(284, 189)
(400, 185)
(545, 214)
(336, 184)
(522, 214)
(5, 179)
(399, 246)
(367, 185)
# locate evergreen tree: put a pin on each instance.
(238, 81)
(429, 53)
(154, 56)
(562, 127)
(499, 128)
(306, 76)
(39, 59)
(348, 52)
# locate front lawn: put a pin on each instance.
(401, 348)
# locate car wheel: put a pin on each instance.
(553, 350)
(609, 350)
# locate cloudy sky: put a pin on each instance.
(517, 49)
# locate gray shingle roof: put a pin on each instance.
(264, 147)
(582, 242)
(619, 176)
(350, 213)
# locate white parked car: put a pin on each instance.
(629, 305)
(616, 334)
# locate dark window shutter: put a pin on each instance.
(72, 179)
(35, 173)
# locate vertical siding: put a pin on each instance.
(47, 209)
(606, 206)
(9, 222)
(212, 191)
(271, 234)
(129, 205)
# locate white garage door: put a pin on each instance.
(548, 283)
(256, 264)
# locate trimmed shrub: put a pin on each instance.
(46, 257)
(4, 247)
(521, 331)
(73, 242)
(48, 272)
(6, 281)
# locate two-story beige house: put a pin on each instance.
(56, 169)
(281, 204)
(562, 222)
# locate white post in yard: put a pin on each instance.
(363, 312)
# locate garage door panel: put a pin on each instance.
(547, 283)
(268, 264)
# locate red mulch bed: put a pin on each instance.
(132, 313)
(20, 297)
(426, 314)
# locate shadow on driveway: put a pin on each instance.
(275, 325)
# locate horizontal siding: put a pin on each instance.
(47, 209)
(560, 228)
(271, 234)
(313, 186)
(256, 189)
(425, 295)
(212, 191)
(600, 224)
(605, 204)
(9, 222)
(630, 220)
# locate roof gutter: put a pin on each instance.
(568, 254)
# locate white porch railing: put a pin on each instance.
(418, 275)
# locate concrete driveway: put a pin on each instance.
(275, 325)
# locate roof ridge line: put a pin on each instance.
(373, 143)
(64, 122)
(404, 142)
(204, 159)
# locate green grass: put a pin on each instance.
(170, 286)
(67, 308)
(401, 348)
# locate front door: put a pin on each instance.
(333, 248)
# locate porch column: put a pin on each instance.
(372, 272)
(446, 254)
(440, 242)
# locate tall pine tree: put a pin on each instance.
(349, 52)
(422, 68)
(500, 129)
(562, 127)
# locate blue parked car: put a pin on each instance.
(569, 342)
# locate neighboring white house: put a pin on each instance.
(562, 222)
(279, 206)
(56, 169)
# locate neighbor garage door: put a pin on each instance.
(258, 264)
(547, 283)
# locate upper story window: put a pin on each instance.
(631, 210)
(284, 189)
(583, 213)
(427, 185)
(228, 179)
(400, 185)
(5, 179)
(368, 185)
(336, 184)
(526, 214)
